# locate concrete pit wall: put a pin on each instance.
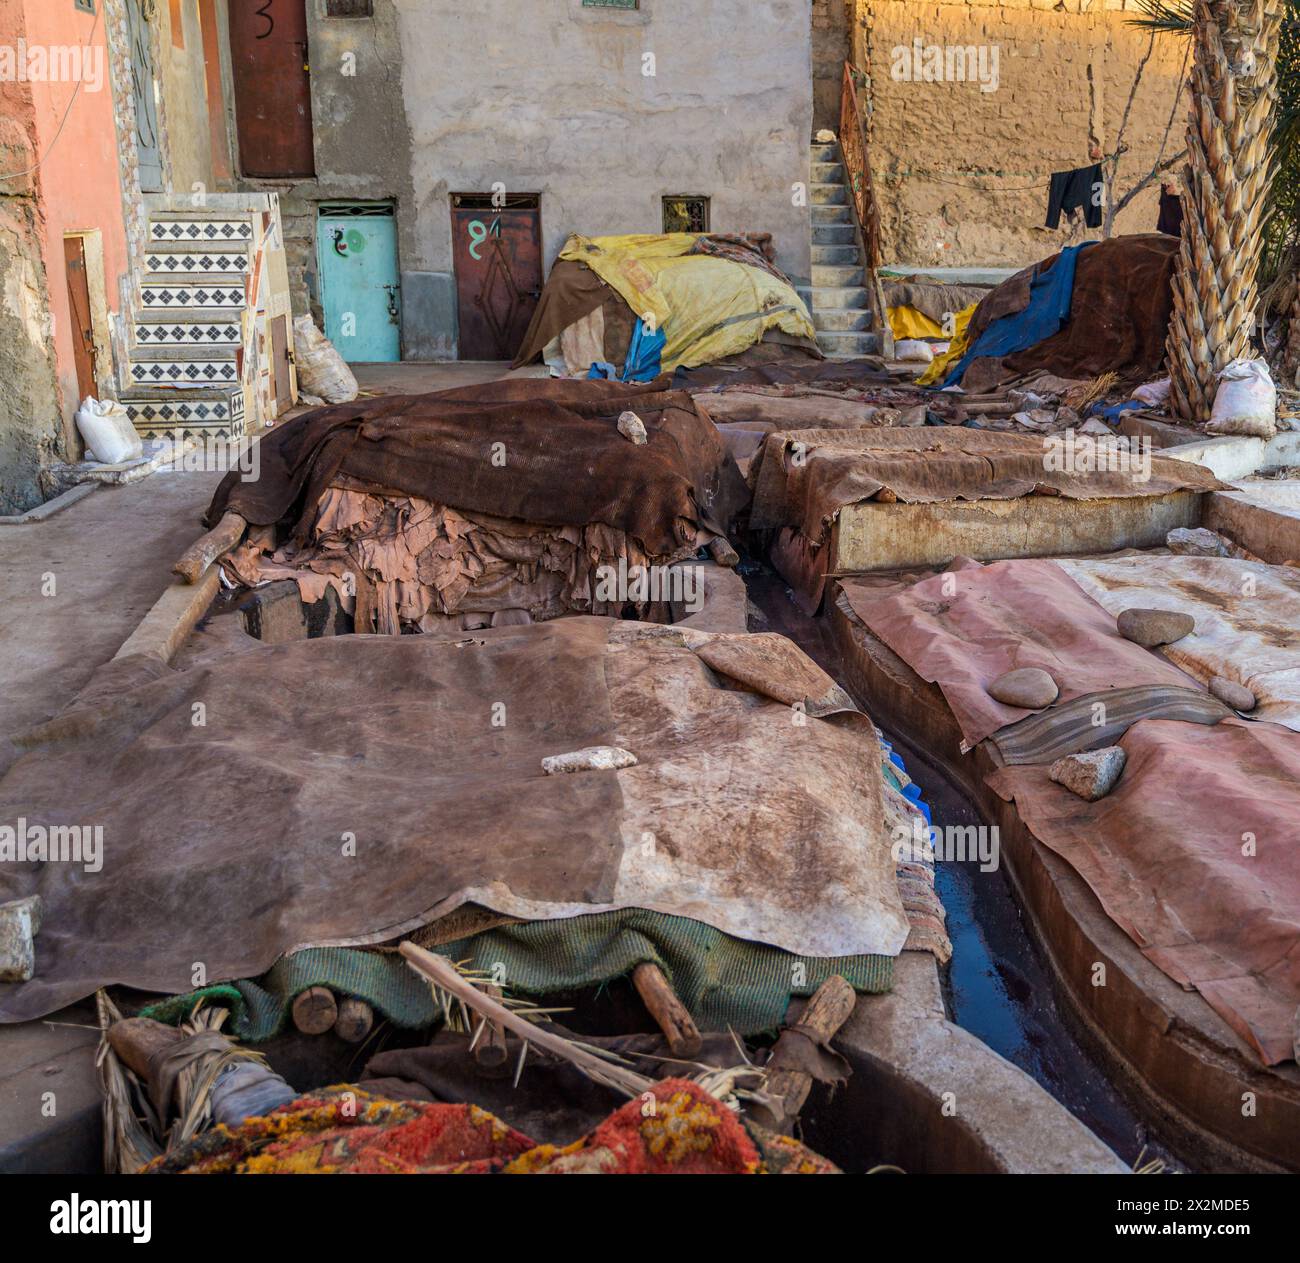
(961, 174)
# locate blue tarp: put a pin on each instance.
(644, 353)
(1050, 293)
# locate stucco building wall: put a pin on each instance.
(961, 174)
(552, 97)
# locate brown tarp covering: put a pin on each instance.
(347, 790)
(932, 298)
(1119, 316)
(807, 486)
(571, 292)
(1166, 853)
(963, 629)
(545, 452)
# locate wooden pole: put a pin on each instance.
(355, 1020)
(678, 1026)
(821, 1019)
(207, 548)
(315, 1011)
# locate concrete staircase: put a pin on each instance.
(838, 297)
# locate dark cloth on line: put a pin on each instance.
(1071, 191)
(572, 291)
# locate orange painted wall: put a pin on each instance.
(80, 177)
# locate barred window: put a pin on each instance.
(686, 213)
(349, 8)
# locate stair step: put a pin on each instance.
(175, 260)
(828, 194)
(170, 295)
(831, 214)
(833, 234)
(198, 230)
(845, 255)
(829, 152)
(842, 319)
(848, 345)
(159, 413)
(191, 374)
(824, 296)
(836, 275)
(827, 172)
(209, 334)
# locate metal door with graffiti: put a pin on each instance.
(138, 13)
(272, 78)
(497, 252)
(356, 248)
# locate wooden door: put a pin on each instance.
(359, 289)
(143, 94)
(280, 363)
(268, 50)
(83, 325)
(497, 254)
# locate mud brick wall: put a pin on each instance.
(961, 173)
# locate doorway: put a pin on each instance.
(146, 101)
(497, 255)
(356, 250)
(269, 65)
(81, 314)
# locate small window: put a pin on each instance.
(686, 213)
(349, 8)
(86, 6)
(611, 4)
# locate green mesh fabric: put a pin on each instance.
(723, 981)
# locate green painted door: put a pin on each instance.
(357, 254)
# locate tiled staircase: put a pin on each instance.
(196, 350)
(838, 299)
(185, 354)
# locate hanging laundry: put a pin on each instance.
(1073, 190)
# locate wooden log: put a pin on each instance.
(137, 1039)
(207, 548)
(678, 1026)
(355, 1020)
(722, 552)
(315, 1011)
(821, 1018)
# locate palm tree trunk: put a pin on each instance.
(1234, 90)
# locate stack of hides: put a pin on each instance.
(483, 505)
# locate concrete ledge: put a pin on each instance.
(1171, 1052)
(930, 1097)
(174, 615)
(1270, 531)
(50, 507)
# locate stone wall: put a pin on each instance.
(962, 173)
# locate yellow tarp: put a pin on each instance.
(907, 322)
(706, 307)
(956, 349)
